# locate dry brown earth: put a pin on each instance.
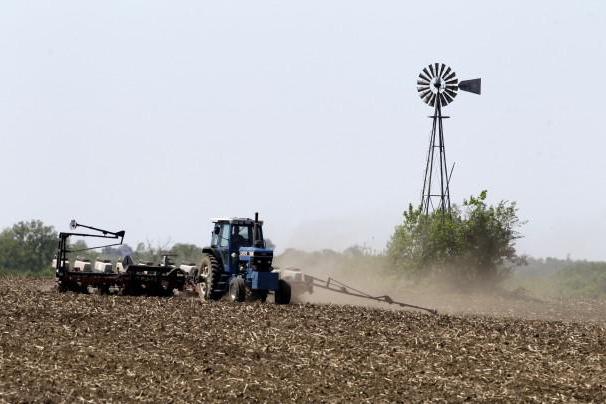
(70, 348)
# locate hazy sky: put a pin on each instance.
(155, 116)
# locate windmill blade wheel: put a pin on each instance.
(437, 83)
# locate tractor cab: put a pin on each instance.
(240, 245)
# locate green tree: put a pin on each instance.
(472, 244)
(81, 250)
(146, 252)
(187, 253)
(27, 246)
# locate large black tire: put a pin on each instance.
(62, 287)
(210, 274)
(103, 290)
(258, 295)
(282, 295)
(237, 290)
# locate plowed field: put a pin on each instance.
(69, 348)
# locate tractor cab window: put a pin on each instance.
(243, 236)
(214, 240)
(224, 235)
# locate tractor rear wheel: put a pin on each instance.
(210, 274)
(237, 290)
(282, 295)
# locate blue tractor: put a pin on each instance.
(239, 264)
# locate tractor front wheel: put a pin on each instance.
(282, 295)
(258, 295)
(237, 290)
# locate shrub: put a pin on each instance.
(472, 244)
(583, 279)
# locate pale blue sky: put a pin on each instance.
(156, 116)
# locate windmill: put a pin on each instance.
(438, 85)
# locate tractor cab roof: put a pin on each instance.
(236, 220)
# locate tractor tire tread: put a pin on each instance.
(283, 294)
(214, 292)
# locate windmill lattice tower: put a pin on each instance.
(438, 85)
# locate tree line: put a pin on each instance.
(473, 243)
(27, 246)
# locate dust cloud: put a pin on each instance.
(375, 278)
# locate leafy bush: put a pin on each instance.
(187, 253)
(583, 279)
(554, 278)
(472, 244)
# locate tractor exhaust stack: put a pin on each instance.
(257, 239)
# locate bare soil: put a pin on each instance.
(70, 348)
